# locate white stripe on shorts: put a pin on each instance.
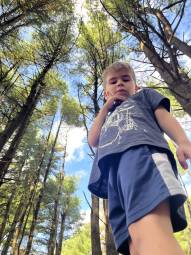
(165, 168)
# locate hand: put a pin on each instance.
(183, 153)
(112, 99)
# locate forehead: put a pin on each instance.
(112, 74)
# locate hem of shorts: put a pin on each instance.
(122, 237)
(143, 211)
(97, 193)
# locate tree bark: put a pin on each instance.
(14, 242)
(109, 242)
(54, 225)
(95, 231)
(61, 234)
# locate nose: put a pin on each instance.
(120, 83)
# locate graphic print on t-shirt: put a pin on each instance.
(117, 123)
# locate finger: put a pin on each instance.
(122, 98)
(182, 159)
(188, 155)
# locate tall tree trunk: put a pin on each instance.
(7, 158)
(109, 242)
(21, 122)
(54, 225)
(23, 221)
(61, 234)
(22, 230)
(9, 202)
(28, 108)
(41, 194)
(16, 219)
(95, 230)
(14, 242)
(6, 213)
(63, 210)
(180, 86)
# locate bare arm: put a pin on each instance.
(94, 132)
(173, 129)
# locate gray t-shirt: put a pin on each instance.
(132, 123)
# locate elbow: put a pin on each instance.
(92, 142)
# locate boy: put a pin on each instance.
(134, 167)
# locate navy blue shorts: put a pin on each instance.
(139, 180)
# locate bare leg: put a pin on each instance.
(153, 233)
(132, 249)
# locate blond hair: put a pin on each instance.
(117, 66)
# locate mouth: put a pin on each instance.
(122, 91)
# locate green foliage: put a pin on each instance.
(71, 111)
(68, 205)
(79, 243)
(31, 13)
(22, 174)
(176, 108)
(98, 39)
(99, 45)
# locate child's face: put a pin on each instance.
(119, 82)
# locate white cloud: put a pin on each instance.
(85, 214)
(81, 173)
(75, 140)
(75, 144)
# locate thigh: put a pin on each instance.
(153, 226)
(153, 234)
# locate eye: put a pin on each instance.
(113, 81)
(126, 79)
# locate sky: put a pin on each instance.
(78, 163)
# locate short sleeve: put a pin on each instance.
(155, 99)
